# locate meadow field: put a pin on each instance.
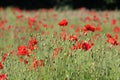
(48, 44)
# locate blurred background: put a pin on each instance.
(72, 4)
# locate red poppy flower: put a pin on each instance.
(116, 36)
(88, 18)
(3, 77)
(108, 35)
(86, 46)
(89, 27)
(4, 57)
(82, 45)
(31, 44)
(73, 38)
(95, 17)
(31, 21)
(1, 66)
(112, 41)
(113, 22)
(36, 28)
(32, 41)
(35, 64)
(98, 28)
(2, 22)
(22, 50)
(116, 29)
(64, 22)
(19, 16)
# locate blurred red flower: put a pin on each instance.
(86, 46)
(112, 40)
(22, 50)
(1, 66)
(87, 18)
(73, 38)
(98, 28)
(108, 35)
(19, 16)
(31, 44)
(4, 57)
(31, 21)
(114, 21)
(36, 63)
(32, 41)
(82, 45)
(89, 27)
(3, 77)
(64, 22)
(116, 29)
(96, 18)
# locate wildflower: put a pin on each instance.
(19, 16)
(36, 63)
(95, 17)
(1, 65)
(22, 50)
(73, 38)
(108, 35)
(64, 22)
(116, 29)
(87, 18)
(98, 28)
(112, 40)
(82, 45)
(32, 41)
(31, 44)
(31, 21)
(86, 46)
(89, 27)
(3, 77)
(4, 57)
(114, 21)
